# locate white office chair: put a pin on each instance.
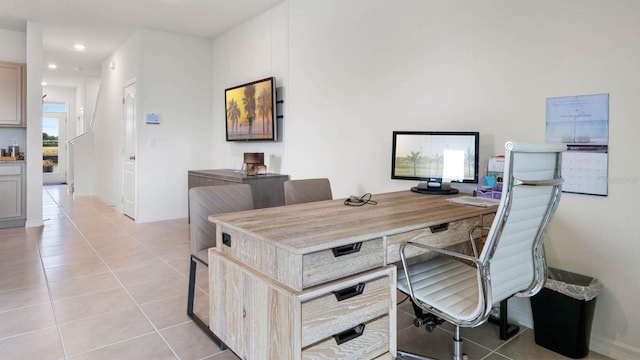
(306, 190)
(205, 201)
(460, 288)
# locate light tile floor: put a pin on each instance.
(93, 284)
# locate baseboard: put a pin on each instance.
(33, 223)
(612, 349)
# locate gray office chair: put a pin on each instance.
(306, 190)
(205, 201)
(461, 289)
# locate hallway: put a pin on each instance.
(92, 284)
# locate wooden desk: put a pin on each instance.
(275, 273)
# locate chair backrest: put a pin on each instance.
(306, 190)
(531, 191)
(210, 200)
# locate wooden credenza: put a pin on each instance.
(267, 190)
(318, 280)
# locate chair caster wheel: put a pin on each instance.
(430, 327)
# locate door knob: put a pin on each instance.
(133, 157)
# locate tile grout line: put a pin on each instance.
(116, 278)
(496, 350)
(46, 279)
(466, 339)
(26, 332)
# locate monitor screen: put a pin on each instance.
(435, 156)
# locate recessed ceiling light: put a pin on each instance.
(52, 66)
(79, 47)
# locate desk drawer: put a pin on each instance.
(364, 341)
(300, 271)
(336, 263)
(259, 318)
(351, 304)
(441, 236)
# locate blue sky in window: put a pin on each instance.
(50, 126)
(50, 107)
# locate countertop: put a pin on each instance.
(3, 162)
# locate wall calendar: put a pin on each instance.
(581, 122)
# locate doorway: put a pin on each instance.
(129, 116)
(54, 147)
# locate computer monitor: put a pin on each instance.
(435, 158)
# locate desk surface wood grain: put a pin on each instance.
(310, 227)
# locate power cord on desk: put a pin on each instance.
(359, 201)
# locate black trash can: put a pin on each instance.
(563, 312)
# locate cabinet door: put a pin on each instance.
(10, 196)
(250, 314)
(11, 94)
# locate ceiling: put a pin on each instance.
(102, 26)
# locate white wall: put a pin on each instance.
(66, 95)
(34, 123)
(14, 46)
(174, 82)
(86, 96)
(173, 79)
(354, 71)
(81, 166)
(253, 51)
(108, 125)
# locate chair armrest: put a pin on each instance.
(473, 259)
(472, 239)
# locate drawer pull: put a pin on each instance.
(439, 228)
(349, 292)
(226, 239)
(350, 334)
(346, 249)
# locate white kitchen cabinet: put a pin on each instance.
(12, 198)
(12, 94)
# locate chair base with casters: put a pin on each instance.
(457, 349)
(461, 288)
(430, 322)
(465, 278)
(191, 300)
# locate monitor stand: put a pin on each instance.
(434, 188)
(434, 191)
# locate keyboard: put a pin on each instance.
(475, 201)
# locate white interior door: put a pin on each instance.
(54, 148)
(129, 151)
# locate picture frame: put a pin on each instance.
(250, 111)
